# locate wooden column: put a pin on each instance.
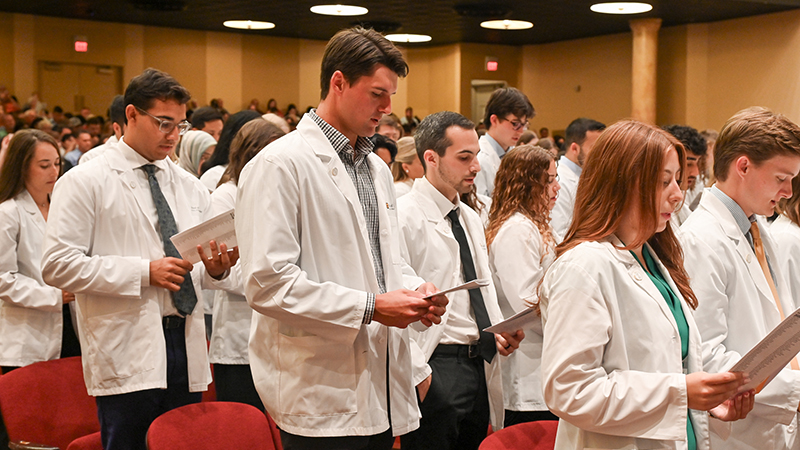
(645, 56)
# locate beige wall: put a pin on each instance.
(580, 78)
(706, 72)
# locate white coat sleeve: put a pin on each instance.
(224, 199)
(268, 231)
(578, 326)
(66, 263)
(484, 180)
(516, 253)
(16, 288)
(779, 400)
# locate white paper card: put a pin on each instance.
(468, 285)
(526, 319)
(772, 354)
(219, 229)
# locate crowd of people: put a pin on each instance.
(653, 258)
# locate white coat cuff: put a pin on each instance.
(145, 273)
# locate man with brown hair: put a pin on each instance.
(732, 261)
(323, 268)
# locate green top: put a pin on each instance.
(674, 304)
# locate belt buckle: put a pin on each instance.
(474, 350)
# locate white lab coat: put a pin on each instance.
(433, 253)
(518, 260)
(787, 239)
(111, 143)
(736, 311)
(99, 244)
(30, 311)
(490, 162)
(611, 361)
(307, 267)
(561, 215)
(232, 314)
(402, 188)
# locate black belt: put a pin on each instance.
(470, 351)
(171, 322)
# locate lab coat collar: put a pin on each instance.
(732, 230)
(441, 205)
(25, 200)
(128, 159)
(642, 279)
(495, 145)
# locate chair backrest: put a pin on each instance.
(211, 425)
(524, 436)
(47, 403)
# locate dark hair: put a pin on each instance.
(153, 85)
(20, 153)
(381, 141)
(389, 120)
(757, 133)
(205, 114)
(116, 112)
(95, 120)
(80, 132)
(689, 137)
(58, 109)
(576, 131)
(432, 135)
(505, 101)
(67, 136)
(251, 139)
(235, 123)
(357, 52)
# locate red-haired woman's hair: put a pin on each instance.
(519, 187)
(628, 157)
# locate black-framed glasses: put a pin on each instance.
(517, 124)
(166, 126)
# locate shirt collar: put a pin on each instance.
(339, 141)
(443, 204)
(570, 165)
(742, 221)
(495, 145)
(133, 160)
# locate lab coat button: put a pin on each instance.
(637, 276)
(384, 232)
(749, 258)
(133, 185)
(335, 171)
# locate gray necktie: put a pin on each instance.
(185, 299)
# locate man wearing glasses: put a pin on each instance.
(142, 336)
(507, 114)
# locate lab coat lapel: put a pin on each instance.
(434, 215)
(117, 163)
(335, 169)
(642, 279)
(734, 233)
(27, 203)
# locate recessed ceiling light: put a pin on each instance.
(507, 24)
(408, 37)
(339, 10)
(249, 24)
(621, 8)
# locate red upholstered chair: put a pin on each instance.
(90, 442)
(524, 436)
(212, 425)
(46, 403)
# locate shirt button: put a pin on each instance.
(335, 171)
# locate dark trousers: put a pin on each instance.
(516, 417)
(455, 412)
(70, 346)
(234, 383)
(381, 441)
(125, 418)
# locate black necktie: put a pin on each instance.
(486, 342)
(185, 299)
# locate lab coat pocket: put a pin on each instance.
(120, 344)
(314, 372)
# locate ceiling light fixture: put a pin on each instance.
(249, 24)
(621, 8)
(507, 24)
(339, 10)
(408, 38)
